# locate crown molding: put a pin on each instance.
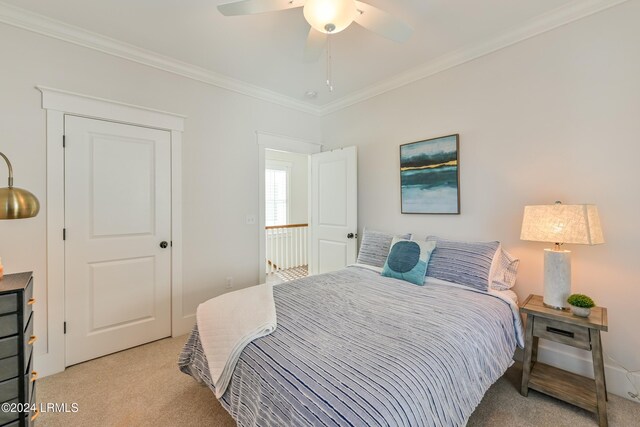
(40, 24)
(27, 20)
(568, 13)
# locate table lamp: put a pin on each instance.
(559, 224)
(16, 203)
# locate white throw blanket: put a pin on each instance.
(228, 323)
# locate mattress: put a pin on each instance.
(353, 348)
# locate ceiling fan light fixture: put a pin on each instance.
(330, 16)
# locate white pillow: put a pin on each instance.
(504, 270)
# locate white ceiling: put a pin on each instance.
(267, 50)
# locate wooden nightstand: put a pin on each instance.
(565, 328)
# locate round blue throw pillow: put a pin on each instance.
(404, 256)
(408, 260)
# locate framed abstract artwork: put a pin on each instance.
(430, 176)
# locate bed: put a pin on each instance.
(354, 348)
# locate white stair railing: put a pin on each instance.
(286, 246)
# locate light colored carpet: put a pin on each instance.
(143, 387)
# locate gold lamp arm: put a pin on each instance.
(10, 169)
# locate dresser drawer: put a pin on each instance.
(9, 368)
(9, 303)
(29, 364)
(35, 413)
(565, 333)
(9, 389)
(7, 417)
(9, 325)
(30, 377)
(29, 338)
(28, 301)
(8, 346)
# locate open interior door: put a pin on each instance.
(334, 210)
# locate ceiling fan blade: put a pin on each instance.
(249, 7)
(316, 42)
(382, 23)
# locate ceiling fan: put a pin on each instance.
(327, 17)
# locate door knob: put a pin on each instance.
(163, 244)
(350, 236)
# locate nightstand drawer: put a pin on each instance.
(562, 332)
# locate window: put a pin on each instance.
(276, 193)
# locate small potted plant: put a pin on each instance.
(580, 305)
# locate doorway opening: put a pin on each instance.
(286, 213)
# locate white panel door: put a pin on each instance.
(117, 214)
(334, 209)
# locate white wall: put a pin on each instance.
(298, 180)
(220, 156)
(555, 117)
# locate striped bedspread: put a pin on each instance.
(353, 348)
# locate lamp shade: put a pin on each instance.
(329, 16)
(16, 203)
(558, 223)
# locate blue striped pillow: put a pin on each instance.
(464, 263)
(375, 246)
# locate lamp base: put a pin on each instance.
(557, 278)
(556, 308)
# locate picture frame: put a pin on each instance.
(430, 176)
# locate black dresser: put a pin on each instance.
(17, 378)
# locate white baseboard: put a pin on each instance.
(47, 364)
(183, 326)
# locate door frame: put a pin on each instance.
(57, 104)
(270, 141)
